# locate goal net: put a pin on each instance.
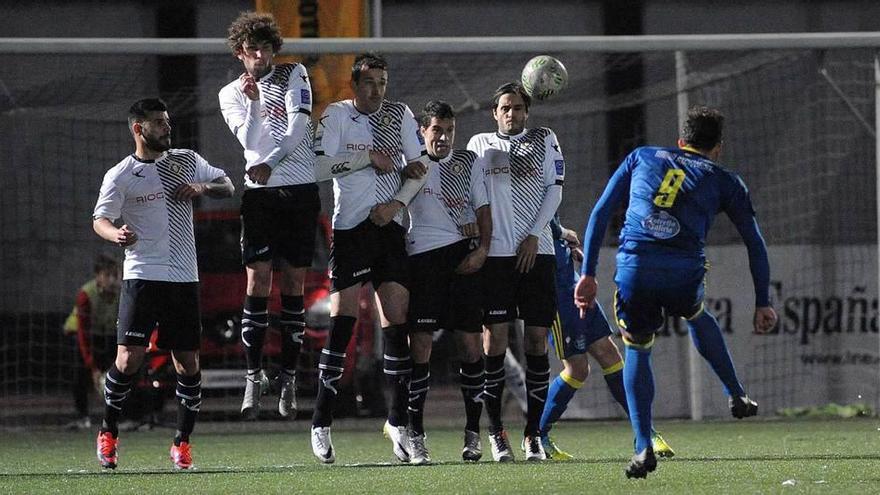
(799, 130)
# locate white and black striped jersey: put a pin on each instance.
(284, 92)
(519, 171)
(343, 130)
(454, 191)
(139, 192)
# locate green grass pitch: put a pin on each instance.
(807, 456)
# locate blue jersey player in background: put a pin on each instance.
(573, 338)
(674, 194)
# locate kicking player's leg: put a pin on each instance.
(707, 338)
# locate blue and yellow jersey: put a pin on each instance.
(674, 195)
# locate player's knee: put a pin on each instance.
(186, 363)
(129, 359)
(292, 280)
(470, 349)
(577, 367)
(259, 279)
(535, 342)
(420, 346)
(495, 339)
(605, 352)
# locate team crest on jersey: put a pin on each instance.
(661, 225)
(385, 120)
(305, 96)
(175, 168)
(457, 168)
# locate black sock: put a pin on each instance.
(254, 321)
(418, 392)
(116, 389)
(473, 381)
(537, 383)
(614, 381)
(330, 368)
(292, 327)
(494, 389)
(397, 366)
(189, 400)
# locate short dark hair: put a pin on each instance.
(436, 108)
(703, 128)
(369, 60)
(255, 28)
(139, 109)
(511, 88)
(104, 263)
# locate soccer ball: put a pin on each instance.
(543, 77)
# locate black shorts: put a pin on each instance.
(510, 294)
(280, 222)
(172, 306)
(368, 253)
(441, 298)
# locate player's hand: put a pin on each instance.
(381, 162)
(259, 174)
(186, 192)
(526, 254)
(249, 87)
(383, 214)
(765, 319)
(473, 261)
(570, 237)
(577, 256)
(415, 170)
(125, 237)
(585, 294)
(470, 229)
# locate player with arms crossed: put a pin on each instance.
(364, 145)
(573, 338)
(674, 194)
(152, 191)
(524, 175)
(268, 109)
(445, 288)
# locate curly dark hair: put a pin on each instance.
(703, 128)
(254, 28)
(436, 108)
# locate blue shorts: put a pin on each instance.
(645, 297)
(570, 334)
